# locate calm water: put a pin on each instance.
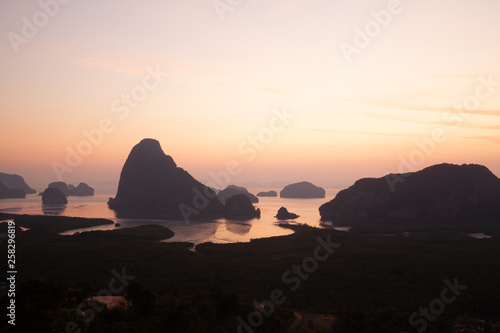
(217, 231)
(480, 235)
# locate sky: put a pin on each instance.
(262, 92)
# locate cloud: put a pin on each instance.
(356, 132)
(455, 121)
(418, 107)
(494, 139)
(491, 138)
(397, 102)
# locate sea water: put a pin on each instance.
(217, 231)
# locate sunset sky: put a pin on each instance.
(365, 84)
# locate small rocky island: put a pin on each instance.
(302, 190)
(8, 193)
(284, 214)
(267, 194)
(81, 190)
(53, 196)
(233, 190)
(240, 207)
(467, 191)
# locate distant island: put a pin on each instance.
(467, 191)
(240, 207)
(81, 190)
(267, 194)
(233, 190)
(12, 181)
(284, 214)
(54, 196)
(302, 190)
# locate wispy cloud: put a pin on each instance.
(326, 130)
(398, 103)
(491, 138)
(451, 123)
(455, 120)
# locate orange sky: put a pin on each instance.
(213, 91)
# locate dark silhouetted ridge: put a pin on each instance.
(15, 182)
(439, 191)
(7, 192)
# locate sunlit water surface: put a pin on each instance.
(217, 231)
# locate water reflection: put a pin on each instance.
(346, 229)
(238, 228)
(196, 231)
(53, 209)
(326, 224)
(480, 235)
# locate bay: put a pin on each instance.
(216, 231)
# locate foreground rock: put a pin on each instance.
(302, 190)
(240, 206)
(81, 190)
(284, 214)
(7, 192)
(150, 181)
(233, 190)
(440, 191)
(15, 182)
(53, 196)
(267, 194)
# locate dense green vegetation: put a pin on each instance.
(372, 282)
